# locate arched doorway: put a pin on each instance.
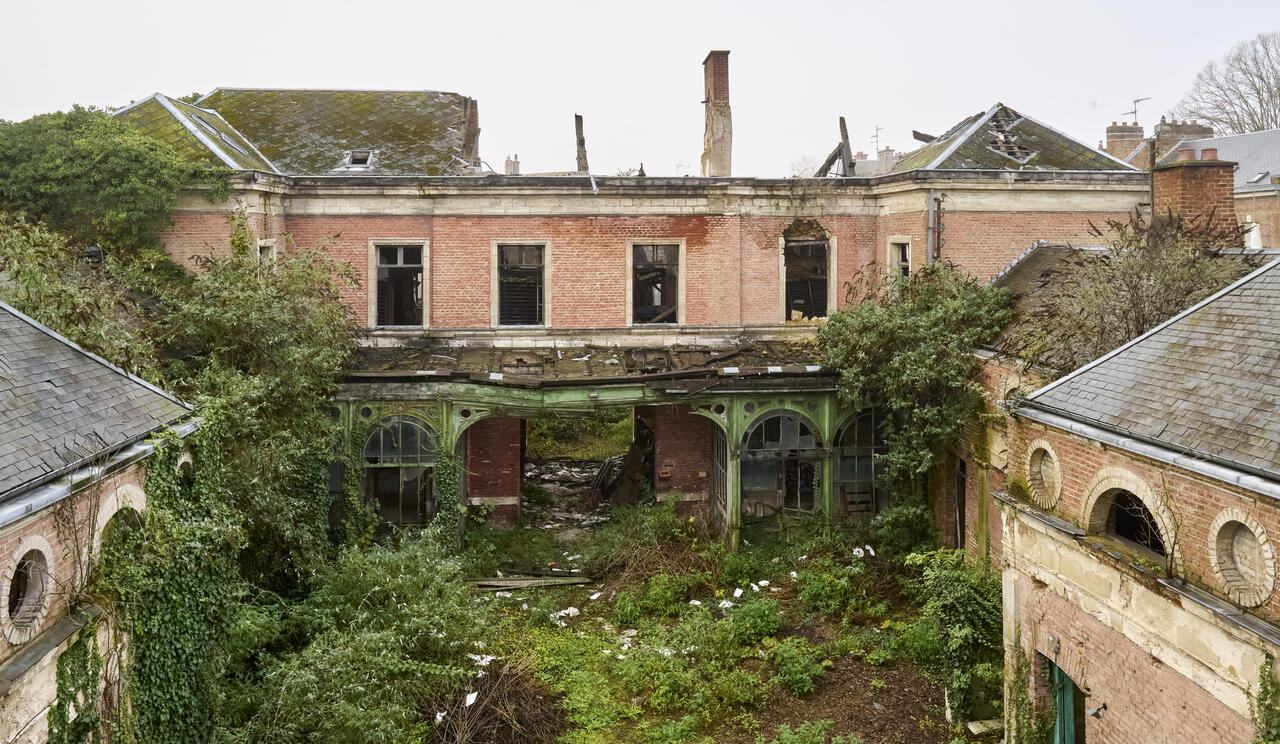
(399, 462)
(781, 467)
(859, 446)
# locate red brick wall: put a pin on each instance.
(1194, 187)
(682, 449)
(1147, 701)
(984, 243)
(493, 467)
(66, 545)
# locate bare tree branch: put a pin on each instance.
(1242, 92)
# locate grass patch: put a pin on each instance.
(592, 437)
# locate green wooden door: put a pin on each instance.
(1068, 727)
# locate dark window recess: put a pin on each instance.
(1129, 519)
(781, 467)
(360, 157)
(806, 267)
(861, 447)
(902, 257)
(399, 292)
(655, 271)
(520, 285)
(400, 458)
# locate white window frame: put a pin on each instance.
(893, 264)
(833, 246)
(546, 279)
(680, 280)
(372, 284)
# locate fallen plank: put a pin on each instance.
(489, 585)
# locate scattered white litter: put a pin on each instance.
(502, 594)
(737, 592)
(859, 552)
(611, 361)
(694, 602)
(774, 589)
(439, 717)
(666, 652)
(582, 358)
(755, 588)
(725, 604)
(629, 633)
(763, 582)
(471, 698)
(619, 657)
(607, 651)
(793, 574)
(481, 660)
(574, 557)
(566, 612)
(870, 551)
(524, 605)
(595, 596)
(803, 558)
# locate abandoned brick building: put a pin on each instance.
(73, 435)
(1130, 505)
(692, 301)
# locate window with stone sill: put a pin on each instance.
(399, 288)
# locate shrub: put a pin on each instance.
(836, 590)
(797, 661)
(812, 732)
(904, 529)
(755, 621)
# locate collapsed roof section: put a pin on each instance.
(582, 364)
(1003, 139)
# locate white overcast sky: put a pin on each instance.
(634, 70)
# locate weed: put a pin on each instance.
(755, 621)
(798, 666)
(877, 685)
(813, 732)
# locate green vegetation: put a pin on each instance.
(907, 348)
(590, 437)
(1264, 708)
(815, 732)
(94, 178)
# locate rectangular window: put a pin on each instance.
(520, 285)
(806, 278)
(266, 251)
(655, 283)
(900, 257)
(399, 285)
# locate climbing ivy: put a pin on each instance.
(74, 716)
(1264, 708)
(1023, 723)
(448, 492)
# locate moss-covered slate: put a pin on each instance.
(311, 132)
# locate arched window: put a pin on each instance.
(781, 466)
(859, 447)
(1130, 520)
(400, 458)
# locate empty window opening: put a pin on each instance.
(266, 251)
(359, 157)
(900, 254)
(860, 447)
(399, 290)
(520, 285)
(806, 278)
(655, 288)
(1130, 520)
(399, 463)
(781, 467)
(27, 588)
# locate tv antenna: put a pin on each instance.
(875, 137)
(1136, 101)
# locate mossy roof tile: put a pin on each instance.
(313, 132)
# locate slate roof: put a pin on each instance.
(1003, 139)
(1256, 152)
(200, 135)
(312, 132)
(1206, 382)
(60, 404)
(576, 363)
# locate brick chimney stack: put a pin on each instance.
(1193, 186)
(717, 137)
(1123, 139)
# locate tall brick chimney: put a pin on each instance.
(1192, 186)
(717, 137)
(1123, 139)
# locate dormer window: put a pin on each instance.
(359, 158)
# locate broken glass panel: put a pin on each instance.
(520, 290)
(655, 283)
